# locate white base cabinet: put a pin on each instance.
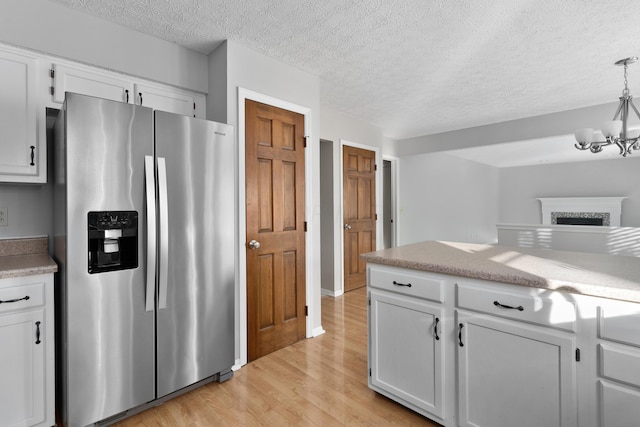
(469, 352)
(27, 355)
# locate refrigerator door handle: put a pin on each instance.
(150, 188)
(164, 232)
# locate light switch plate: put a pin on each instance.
(3, 216)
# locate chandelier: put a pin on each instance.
(615, 131)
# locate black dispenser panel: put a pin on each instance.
(113, 240)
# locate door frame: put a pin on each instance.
(241, 278)
(339, 228)
(394, 161)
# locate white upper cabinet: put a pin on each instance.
(94, 83)
(166, 99)
(22, 132)
(31, 82)
(117, 87)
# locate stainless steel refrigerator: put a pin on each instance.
(144, 237)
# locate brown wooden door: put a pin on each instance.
(275, 219)
(359, 210)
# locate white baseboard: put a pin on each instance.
(327, 293)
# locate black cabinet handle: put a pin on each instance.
(519, 308)
(435, 329)
(140, 94)
(408, 285)
(25, 298)
(127, 92)
(460, 326)
(33, 155)
(38, 333)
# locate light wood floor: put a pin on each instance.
(316, 382)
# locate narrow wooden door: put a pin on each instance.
(359, 210)
(275, 228)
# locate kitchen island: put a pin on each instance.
(482, 335)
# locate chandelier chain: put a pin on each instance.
(626, 88)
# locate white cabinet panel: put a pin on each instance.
(551, 310)
(22, 370)
(619, 321)
(22, 139)
(409, 283)
(406, 351)
(166, 99)
(620, 364)
(510, 374)
(90, 82)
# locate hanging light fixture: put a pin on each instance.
(615, 131)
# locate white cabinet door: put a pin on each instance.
(166, 99)
(511, 374)
(90, 82)
(22, 369)
(22, 140)
(407, 350)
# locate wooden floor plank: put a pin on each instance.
(316, 382)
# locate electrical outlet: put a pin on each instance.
(3, 216)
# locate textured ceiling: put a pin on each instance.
(417, 67)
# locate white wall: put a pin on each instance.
(327, 223)
(520, 186)
(336, 127)
(47, 27)
(255, 72)
(443, 197)
(434, 180)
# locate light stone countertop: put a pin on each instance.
(25, 257)
(608, 276)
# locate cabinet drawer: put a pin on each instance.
(620, 365)
(406, 282)
(620, 321)
(619, 406)
(21, 297)
(554, 312)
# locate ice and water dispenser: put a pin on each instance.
(113, 240)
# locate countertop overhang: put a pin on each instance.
(25, 257)
(599, 275)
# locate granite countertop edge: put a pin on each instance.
(25, 257)
(599, 275)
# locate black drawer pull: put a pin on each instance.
(519, 308)
(435, 328)
(38, 333)
(460, 326)
(408, 285)
(14, 300)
